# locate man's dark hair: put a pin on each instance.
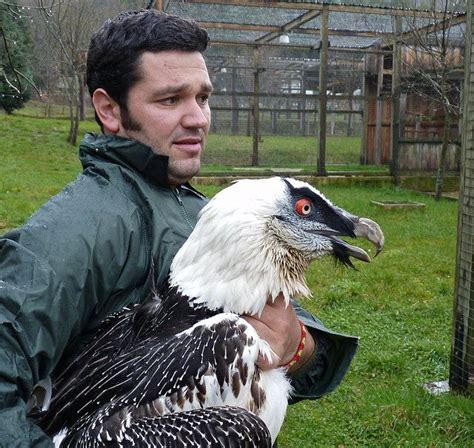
(112, 59)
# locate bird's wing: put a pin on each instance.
(199, 367)
(105, 343)
(215, 427)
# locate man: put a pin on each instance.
(90, 250)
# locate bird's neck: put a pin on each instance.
(237, 281)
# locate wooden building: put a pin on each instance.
(421, 116)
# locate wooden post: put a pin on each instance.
(235, 104)
(213, 121)
(461, 374)
(349, 117)
(159, 5)
(378, 113)
(323, 69)
(274, 121)
(333, 124)
(256, 115)
(403, 114)
(365, 124)
(396, 90)
(249, 121)
(303, 104)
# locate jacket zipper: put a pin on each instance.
(183, 208)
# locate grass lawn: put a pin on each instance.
(400, 305)
(224, 151)
(282, 151)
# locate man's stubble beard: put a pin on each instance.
(175, 171)
(128, 123)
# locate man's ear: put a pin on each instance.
(107, 110)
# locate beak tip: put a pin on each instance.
(370, 230)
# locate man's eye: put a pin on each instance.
(169, 101)
(203, 99)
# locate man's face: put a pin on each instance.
(168, 109)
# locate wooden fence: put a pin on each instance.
(424, 155)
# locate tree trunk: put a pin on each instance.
(74, 110)
(82, 98)
(443, 156)
(75, 125)
(71, 120)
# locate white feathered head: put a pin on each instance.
(255, 240)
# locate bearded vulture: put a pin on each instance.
(180, 370)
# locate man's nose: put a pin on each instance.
(196, 116)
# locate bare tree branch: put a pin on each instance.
(29, 81)
(10, 60)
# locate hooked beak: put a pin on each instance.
(371, 231)
(363, 228)
(359, 228)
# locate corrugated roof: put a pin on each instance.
(418, 5)
(250, 23)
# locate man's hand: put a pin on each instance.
(279, 326)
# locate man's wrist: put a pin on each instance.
(307, 354)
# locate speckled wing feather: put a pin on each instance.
(208, 364)
(215, 427)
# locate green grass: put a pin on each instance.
(226, 152)
(281, 151)
(400, 305)
(36, 163)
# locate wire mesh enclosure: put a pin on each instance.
(462, 355)
(273, 91)
(321, 74)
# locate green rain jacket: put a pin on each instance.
(88, 252)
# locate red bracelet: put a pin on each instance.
(299, 350)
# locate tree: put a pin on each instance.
(431, 52)
(66, 28)
(63, 34)
(15, 54)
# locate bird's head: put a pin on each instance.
(255, 239)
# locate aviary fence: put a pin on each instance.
(461, 378)
(271, 91)
(274, 92)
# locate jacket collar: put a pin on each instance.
(125, 152)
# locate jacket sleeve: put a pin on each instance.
(58, 273)
(324, 372)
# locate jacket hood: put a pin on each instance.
(125, 152)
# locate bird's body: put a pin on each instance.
(180, 359)
(167, 357)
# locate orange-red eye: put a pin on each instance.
(303, 207)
